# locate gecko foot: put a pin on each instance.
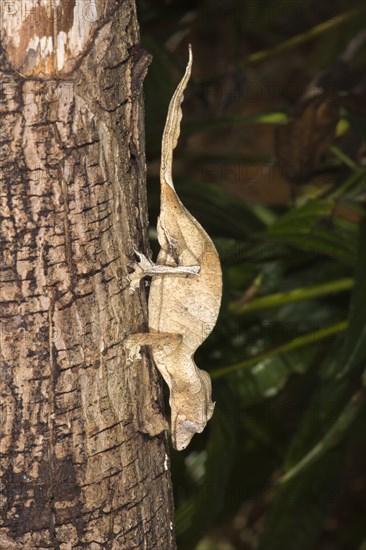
(133, 349)
(147, 267)
(140, 269)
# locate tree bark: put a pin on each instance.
(83, 454)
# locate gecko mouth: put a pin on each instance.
(184, 431)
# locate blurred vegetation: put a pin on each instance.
(271, 161)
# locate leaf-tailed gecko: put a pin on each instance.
(185, 295)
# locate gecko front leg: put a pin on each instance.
(161, 340)
(145, 267)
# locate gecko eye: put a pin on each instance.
(190, 426)
(185, 430)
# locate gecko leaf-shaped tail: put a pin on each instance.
(172, 126)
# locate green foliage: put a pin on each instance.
(316, 454)
(288, 355)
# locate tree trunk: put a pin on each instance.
(83, 453)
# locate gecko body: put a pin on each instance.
(185, 295)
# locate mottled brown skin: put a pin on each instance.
(185, 296)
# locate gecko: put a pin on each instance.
(185, 294)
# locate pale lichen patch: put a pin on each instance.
(52, 52)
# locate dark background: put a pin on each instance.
(271, 161)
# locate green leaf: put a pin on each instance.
(310, 227)
(330, 400)
(355, 343)
(331, 439)
(297, 295)
(298, 342)
(300, 507)
(189, 129)
(268, 377)
(302, 38)
(318, 449)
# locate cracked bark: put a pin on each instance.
(82, 452)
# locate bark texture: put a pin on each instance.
(83, 454)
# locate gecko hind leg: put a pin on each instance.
(145, 267)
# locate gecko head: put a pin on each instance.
(190, 412)
(183, 431)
